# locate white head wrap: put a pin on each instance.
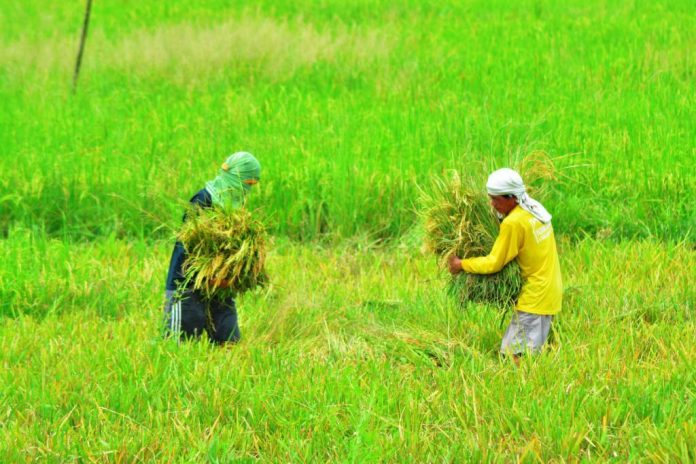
(508, 182)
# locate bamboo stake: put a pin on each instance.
(83, 38)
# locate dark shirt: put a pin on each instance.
(175, 275)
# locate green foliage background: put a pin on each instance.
(349, 105)
(353, 353)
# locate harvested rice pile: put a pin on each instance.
(223, 246)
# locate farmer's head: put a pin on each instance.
(236, 176)
(504, 186)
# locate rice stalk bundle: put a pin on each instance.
(459, 220)
(223, 245)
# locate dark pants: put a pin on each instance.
(188, 315)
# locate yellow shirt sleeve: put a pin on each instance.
(505, 249)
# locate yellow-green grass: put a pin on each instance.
(352, 354)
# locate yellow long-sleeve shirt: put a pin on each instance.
(533, 243)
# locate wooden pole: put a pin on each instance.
(83, 39)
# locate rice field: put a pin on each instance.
(354, 351)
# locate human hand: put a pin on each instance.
(221, 283)
(455, 264)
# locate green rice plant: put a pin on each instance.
(226, 251)
(459, 221)
(507, 92)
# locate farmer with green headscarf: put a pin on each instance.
(185, 308)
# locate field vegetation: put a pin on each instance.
(353, 351)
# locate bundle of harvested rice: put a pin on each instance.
(226, 251)
(459, 221)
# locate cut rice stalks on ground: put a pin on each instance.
(226, 251)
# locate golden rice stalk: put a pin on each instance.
(223, 245)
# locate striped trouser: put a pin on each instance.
(189, 315)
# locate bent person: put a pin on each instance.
(187, 312)
(526, 234)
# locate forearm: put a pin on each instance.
(504, 250)
(483, 265)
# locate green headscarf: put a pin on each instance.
(229, 187)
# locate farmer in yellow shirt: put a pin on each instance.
(525, 234)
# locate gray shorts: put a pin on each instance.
(527, 332)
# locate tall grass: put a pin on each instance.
(366, 101)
